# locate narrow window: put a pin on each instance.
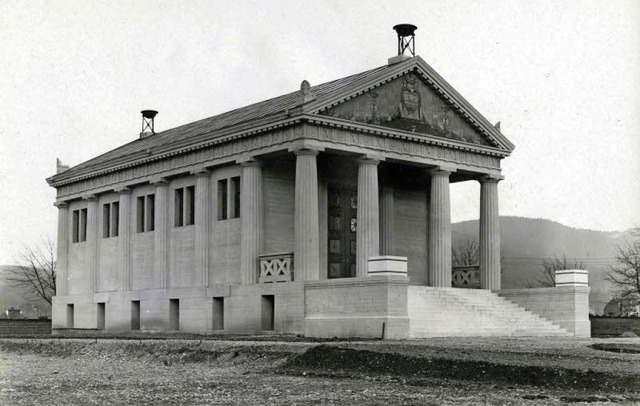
(101, 312)
(135, 315)
(83, 225)
(190, 205)
(151, 210)
(178, 207)
(235, 195)
(217, 322)
(70, 315)
(174, 314)
(115, 218)
(106, 220)
(140, 214)
(76, 226)
(222, 199)
(268, 302)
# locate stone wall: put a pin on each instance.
(614, 326)
(25, 328)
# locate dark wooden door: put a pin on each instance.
(343, 214)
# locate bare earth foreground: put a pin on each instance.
(289, 371)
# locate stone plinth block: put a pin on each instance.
(387, 265)
(572, 277)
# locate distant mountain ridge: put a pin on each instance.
(525, 242)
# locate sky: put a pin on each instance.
(562, 77)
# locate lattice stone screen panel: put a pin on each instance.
(276, 267)
(466, 277)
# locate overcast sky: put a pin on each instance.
(563, 77)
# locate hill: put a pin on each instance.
(526, 242)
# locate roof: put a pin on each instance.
(324, 95)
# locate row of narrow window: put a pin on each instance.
(184, 210)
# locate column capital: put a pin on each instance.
(159, 181)
(90, 198)
(123, 190)
(490, 178)
(313, 152)
(61, 204)
(201, 172)
(367, 161)
(441, 170)
(251, 164)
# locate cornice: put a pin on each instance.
(403, 135)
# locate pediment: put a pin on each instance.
(407, 103)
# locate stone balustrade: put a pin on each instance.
(465, 277)
(276, 267)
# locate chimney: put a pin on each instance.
(147, 123)
(406, 41)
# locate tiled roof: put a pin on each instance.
(214, 124)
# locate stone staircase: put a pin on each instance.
(451, 312)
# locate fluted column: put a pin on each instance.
(307, 241)
(387, 224)
(92, 241)
(161, 233)
(63, 248)
(251, 211)
(202, 221)
(124, 238)
(440, 230)
(489, 235)
(368, 226)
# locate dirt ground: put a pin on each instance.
(296, 372)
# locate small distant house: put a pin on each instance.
(623, 308)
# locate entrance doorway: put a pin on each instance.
(343, 215)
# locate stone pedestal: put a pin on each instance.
(440, 230)
(124, 238)
(63, 248)
(251, 212)
(307, 242)
(202, 221)
(161, 233)
(489, 235)
(368, 226)
(92, 241)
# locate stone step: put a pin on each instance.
(449, 312)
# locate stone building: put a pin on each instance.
(323, 212)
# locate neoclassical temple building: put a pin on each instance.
(323, 212)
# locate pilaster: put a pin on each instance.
(490, 277)
(439, 256)
(92, 241)
(124, 238)
(63, 248)
(161, 233)
(368, 226)
(307, 240)
(387, 224)
(251, 212)
(202, 221)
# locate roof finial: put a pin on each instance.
(60, 167)
(497, 126)
(306, 95)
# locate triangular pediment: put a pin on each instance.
(415, 98)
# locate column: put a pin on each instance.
(124, 238)
(368, 226)
(92, 241)
(307, 241)
(489, 234)
(251, 212)
(161, 233)
(440, 230)
(63, 248)
(387, 224)
(202, 221)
